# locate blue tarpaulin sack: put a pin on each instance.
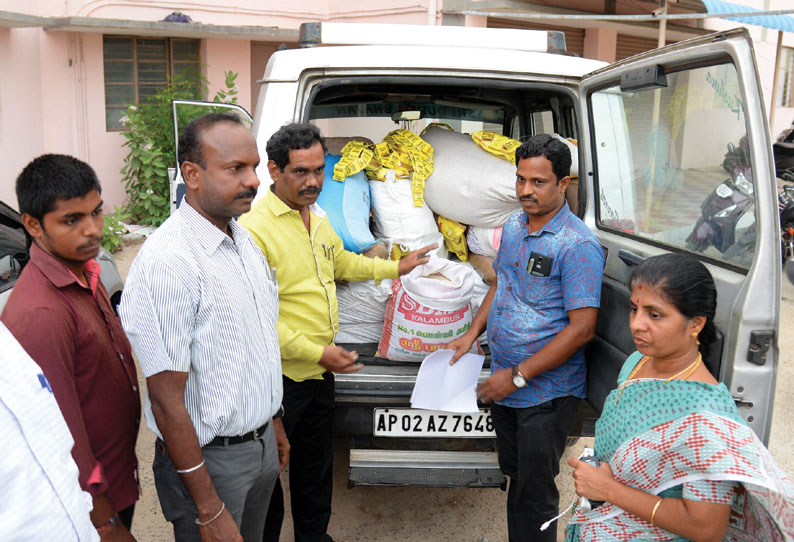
(347, 205)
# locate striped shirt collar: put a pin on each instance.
(208, 236)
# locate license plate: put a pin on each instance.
(406, 422)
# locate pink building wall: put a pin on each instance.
(52, 89)
(20, 109)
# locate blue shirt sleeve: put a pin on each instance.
(581, 273)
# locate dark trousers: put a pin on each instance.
(531, 442)
(126, 516)
(308, 420)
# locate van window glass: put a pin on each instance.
(374, 120)
(673, 164)
(542, 122)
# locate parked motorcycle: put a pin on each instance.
(725, 205)
(784, 160)
(785, 203)
(783, 152)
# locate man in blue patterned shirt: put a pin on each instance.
(540, 312)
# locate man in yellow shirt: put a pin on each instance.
(297, 238)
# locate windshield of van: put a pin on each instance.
(673, 164)
(368, 107)
(374, 120)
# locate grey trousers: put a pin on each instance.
(243, 475)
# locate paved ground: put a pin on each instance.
(395, 514)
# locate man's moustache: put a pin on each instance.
(250, 193)
(309, 191)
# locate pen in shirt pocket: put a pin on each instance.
(273, 275)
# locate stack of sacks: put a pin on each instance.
(396, 168)
(473, 183)
(429, 307)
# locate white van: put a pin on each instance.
(652, 133)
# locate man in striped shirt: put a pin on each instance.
(200, 308)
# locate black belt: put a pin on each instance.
(256, 434)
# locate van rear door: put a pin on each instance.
(663, 132)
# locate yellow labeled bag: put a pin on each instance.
(356, 155)
(497, 144)
(403, 152)
(454, 237)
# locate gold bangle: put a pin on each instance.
(655, 508)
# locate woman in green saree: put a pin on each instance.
(677, 460)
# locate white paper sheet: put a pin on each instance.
(441, 386)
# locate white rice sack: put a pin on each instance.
(361, 309)
(484, 241)
(428, 308)
(397, 222)
(468, 183)
(362, 302)
(359, 333)
(394, 214)
(574, 155)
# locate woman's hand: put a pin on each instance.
(592, 482)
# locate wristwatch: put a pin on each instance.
(518, 379)
(109, 524)
(280, 412)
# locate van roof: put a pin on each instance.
(287, 65)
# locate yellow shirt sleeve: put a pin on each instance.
(295, 345)
(353, 267)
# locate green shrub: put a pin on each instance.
(150, 139)
(112, 230)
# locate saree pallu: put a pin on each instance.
(661, 437)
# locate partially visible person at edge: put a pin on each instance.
(539, 312)
(60, 313)
(297, 238)
(41, 497)
(673, 473)
(200, 307)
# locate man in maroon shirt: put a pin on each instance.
(60, 312)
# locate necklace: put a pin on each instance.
(686, 372)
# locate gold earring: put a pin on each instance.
(695, 335)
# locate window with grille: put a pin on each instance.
(785, 81)
(137, 68)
